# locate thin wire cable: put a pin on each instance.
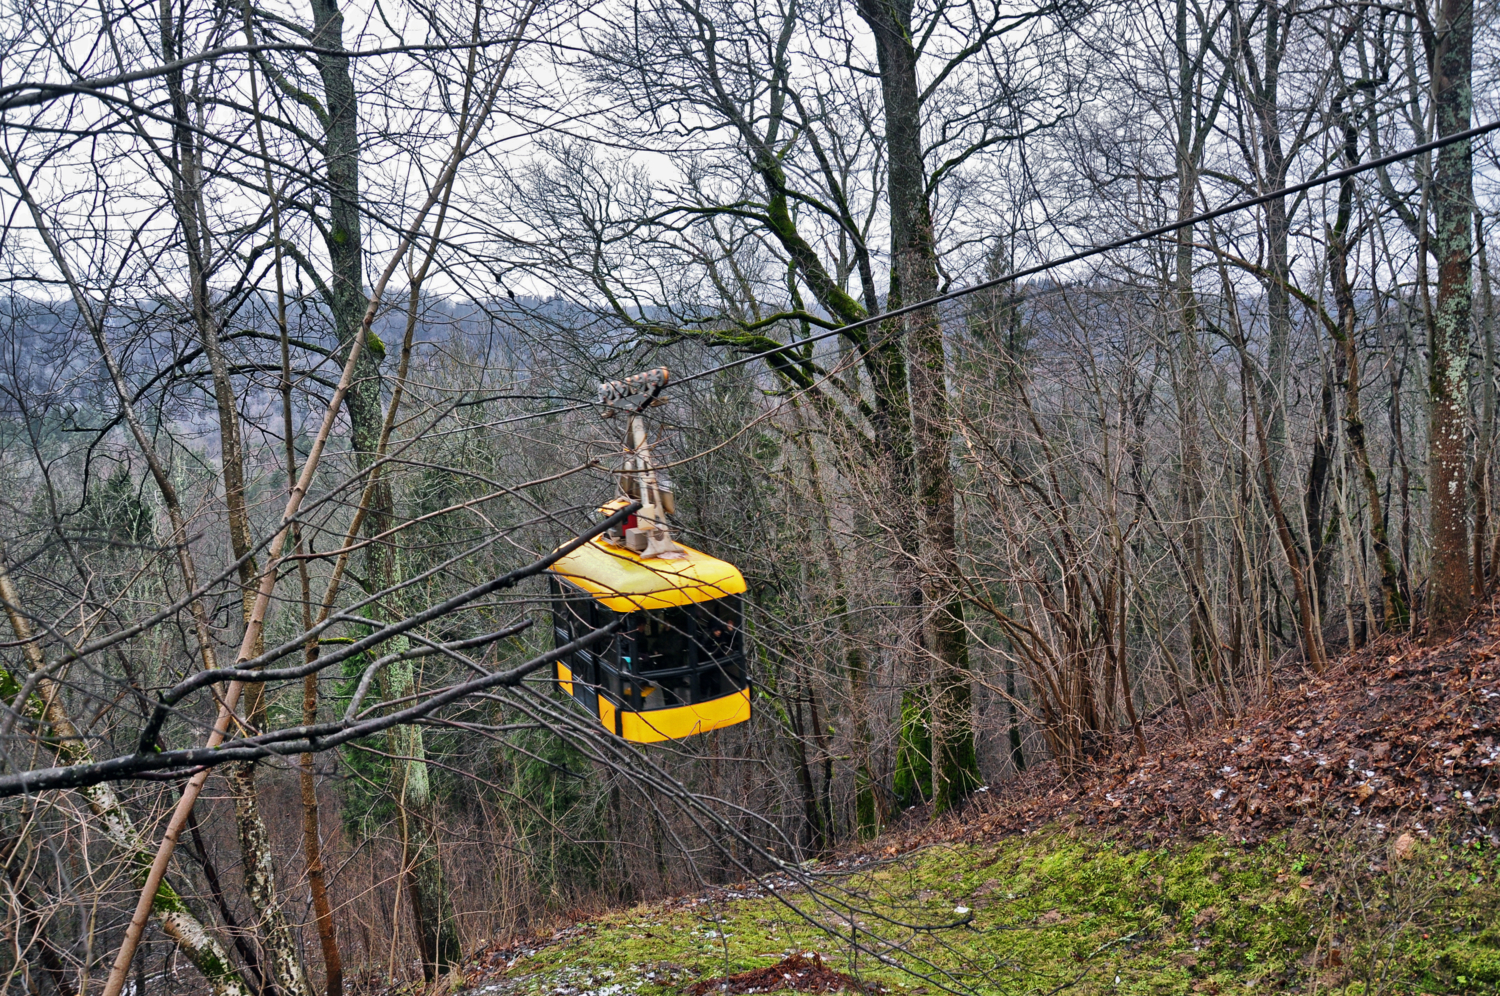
(1100, 250)
(1053, 264)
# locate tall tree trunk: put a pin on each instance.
(1312, 643)
(880, 350)
(1190, 483)
(1486, 441)
(342, 232)
(344, 243)
(1262, 79)
(869, 813)
(884, 361)
(1451, 55)
(425, 884)
(955, 766)
(259, 868)
(312, 845)
(1395, 614)
(912, 780)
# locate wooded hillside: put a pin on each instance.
(1065, 380)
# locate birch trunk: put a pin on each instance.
(276, 940)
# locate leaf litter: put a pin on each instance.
(1396, 735)
(796, 972)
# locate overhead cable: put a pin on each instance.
(1075, 257)
(1099, 250)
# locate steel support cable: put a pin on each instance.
(1107, 247)
(1052, 264)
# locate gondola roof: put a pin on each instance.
(621, 580)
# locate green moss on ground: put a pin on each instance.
(1055, 911)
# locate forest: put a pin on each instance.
(1055, 373)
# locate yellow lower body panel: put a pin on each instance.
(657, 725)
(565, 677)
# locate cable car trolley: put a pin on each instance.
(676, 665)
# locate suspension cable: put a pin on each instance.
(1053, 264)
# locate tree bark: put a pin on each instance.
(425, 882)
(1451, 55)
(259, 868)
(869, 813)
(333, 968)
(955, 769)
(342, 234)
(1483, 450)
(1192, 128)
(1396, 615)
(1263, 88)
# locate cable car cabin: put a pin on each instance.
(677, 665)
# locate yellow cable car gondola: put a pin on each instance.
(676, 665)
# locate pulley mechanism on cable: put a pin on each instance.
(676, 665)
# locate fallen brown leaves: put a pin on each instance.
(1393, 732)
(501, 955)
(806, 975)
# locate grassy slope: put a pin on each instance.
(1057, 910)
(1397, 731)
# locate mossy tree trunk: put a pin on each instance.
(947, 700)
(1449, 40)
(346, 299)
